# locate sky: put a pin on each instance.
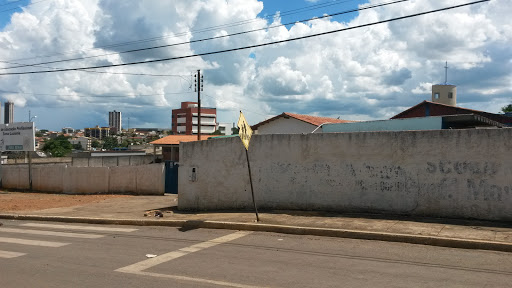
(366, 73)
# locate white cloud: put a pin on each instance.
(375, 71)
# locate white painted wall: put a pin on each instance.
(443, 173)
(139, 180)
(286, 126)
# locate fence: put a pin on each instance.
(138, 180)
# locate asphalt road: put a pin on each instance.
(35, 254)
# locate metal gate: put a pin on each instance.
(171, 177)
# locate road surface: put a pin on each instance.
(46, 254)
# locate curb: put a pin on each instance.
(295, 230)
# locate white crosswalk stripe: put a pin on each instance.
(32, 242)
(51, 233)
(76, 227)
(33, 232)
(9, 254)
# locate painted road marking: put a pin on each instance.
(32, 242)
(51, 233)
(76, 227)
(146, 264)
(138, 268)
(206, 281)
(8, 254)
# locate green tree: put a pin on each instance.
(217, 132)
(506, 109)
(58, 147)
(78, 146)
(110, 143)
(95, 144)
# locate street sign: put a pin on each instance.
(245, 131)
(18, 136)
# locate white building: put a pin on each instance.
(225, 128)
(84, 141)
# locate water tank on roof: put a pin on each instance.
(444, 94)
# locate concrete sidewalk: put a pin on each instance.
(429, 231)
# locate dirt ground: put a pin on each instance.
(20, 201)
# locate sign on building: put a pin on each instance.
(17, 136)
(245, 131)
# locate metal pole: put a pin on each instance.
(30, 170)
(252, 190)
(199, 105)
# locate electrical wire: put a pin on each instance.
(207, 39)
(251, 46)
(15, 8)
(207, 29)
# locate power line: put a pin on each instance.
(99, 96)
(10, 9)
(206, 39)
(251, 46)
(207, 29)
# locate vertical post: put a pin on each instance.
(1, 168)
(252, 190)
(198, 105)
(446, 73)
(29, 170)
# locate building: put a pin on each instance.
(97, 132)
(83, 141)
(427, 108)
(226, 128)
(9, 112)
(289, 123)
(171, 144)
(68, 130)
(185, 119)
(461, 121)
(114, 121)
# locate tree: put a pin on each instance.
(217, 132)
(95, 144)
(110, 143)
(58, 147)
(507, 109)
(78, 146)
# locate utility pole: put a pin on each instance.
(199, 88)
(446, 73)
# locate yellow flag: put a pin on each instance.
(245, 131)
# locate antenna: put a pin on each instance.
(446, 73)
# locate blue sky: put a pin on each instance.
(363, 74)
(8, 7)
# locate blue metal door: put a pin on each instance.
(171, 177)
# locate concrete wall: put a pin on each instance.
(15, 176)
(442, 173)
(139, 180)
(112, 161)
(423, 123)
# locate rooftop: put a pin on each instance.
(177, 139)
(313, 120)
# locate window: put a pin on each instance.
(450, 95)
(436, 96)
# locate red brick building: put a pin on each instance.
(185, 119)
(427, 108)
